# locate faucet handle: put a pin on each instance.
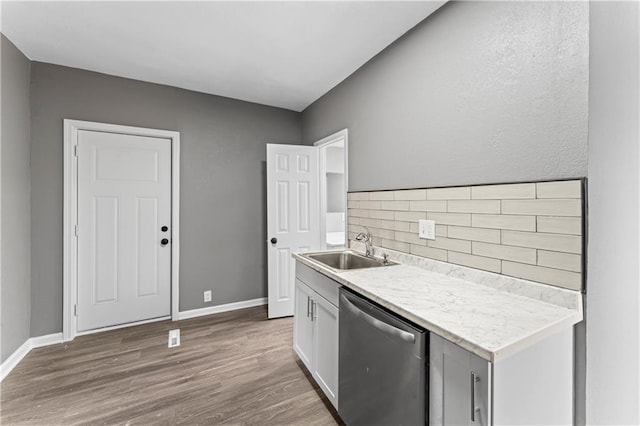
(385, 258)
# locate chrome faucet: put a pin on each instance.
(365, 237)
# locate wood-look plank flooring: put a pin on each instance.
(231, 368)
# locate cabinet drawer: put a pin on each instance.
(324, 286)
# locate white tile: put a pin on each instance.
(543, 207)
(459, 193)
(381, 195)
(560, 225)
(410, 216)
(430, 252)
(358, 196)
(461, 219)
(431, 206)
(566, 261)
(566, 189)
(566, 279)
(409, 237)
(353, 220)
(381, 214)
(498, 251)
(396, 245)
(553, 242)
(370, 223)
(474, 206)
(396, 226)
(359, 212)
(394, 205)
(383, 233)
(474, 234)
(450, 244)
(410, 194)
(372, 205)
(504, 192)
(519, 223)
(478, 262)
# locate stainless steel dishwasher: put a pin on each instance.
(382, 366)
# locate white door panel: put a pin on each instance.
(124, 198)
(292, 218)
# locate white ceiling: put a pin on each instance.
(284, 54)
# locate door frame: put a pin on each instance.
(70, 212)
(322, 193)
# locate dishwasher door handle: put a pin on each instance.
(380, 325)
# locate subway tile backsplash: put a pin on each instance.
(525, 230)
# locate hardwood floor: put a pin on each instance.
(231, 368)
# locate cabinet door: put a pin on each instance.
(302, 325)
(325, 370)
(460, 385)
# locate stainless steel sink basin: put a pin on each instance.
(346, 260)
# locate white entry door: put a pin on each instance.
(124, 221)
(292, 218)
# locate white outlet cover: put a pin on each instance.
(427, 229)
(207, 296)
(174, 338)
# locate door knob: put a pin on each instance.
(164, 229)
(274, 240)
(164, 242)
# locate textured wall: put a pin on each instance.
(480, 92)
(613, 289)
(223, 205)
(15, 290)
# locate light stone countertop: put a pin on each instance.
(488, 314)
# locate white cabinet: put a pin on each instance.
(302, 326)
(459, 385)
(325, 345)
(531, 386)
(315, 328)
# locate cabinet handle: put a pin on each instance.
(308, 302)
(313, 310)
(474, 379)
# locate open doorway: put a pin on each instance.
(333, 190)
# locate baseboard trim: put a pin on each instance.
(47, 340)
(193, 313)
(34, 342)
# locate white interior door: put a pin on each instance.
(292, 218)
(124, 249)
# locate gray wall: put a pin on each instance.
(15, 288)
(479, 92)
(613, 293)
(222, 180)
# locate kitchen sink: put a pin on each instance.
(346, 260)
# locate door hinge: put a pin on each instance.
(75, 310)
(75, 230)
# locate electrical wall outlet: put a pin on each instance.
(427, 229)
(207, 296)
(174, 338)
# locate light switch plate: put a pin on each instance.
(427, 229)
(174, 338)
